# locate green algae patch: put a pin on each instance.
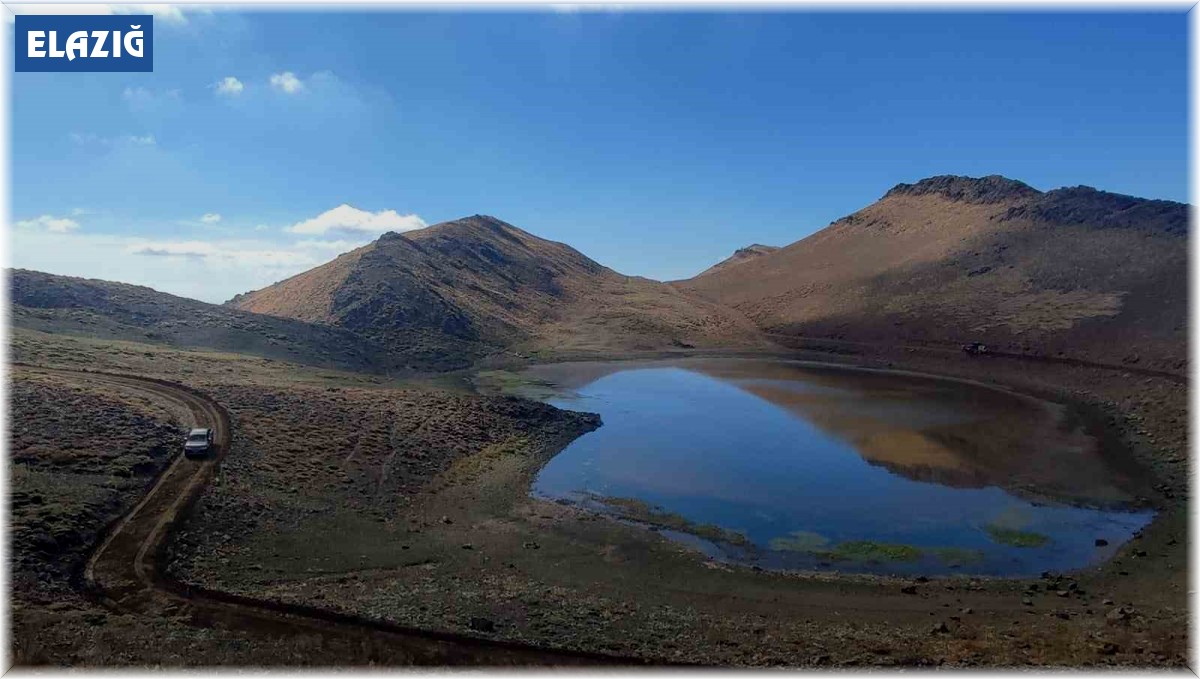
(801, 541)
(866, 550)
(644, 512)
(1015, 538)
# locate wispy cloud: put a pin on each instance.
(348, 219)
(141, 99)
(229, 86)
(49, 223)
(210, 218)
(91, 139)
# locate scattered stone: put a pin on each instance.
(482, 625)
(1121, 614)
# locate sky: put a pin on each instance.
(656, 143)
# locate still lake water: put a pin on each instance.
(795, 466)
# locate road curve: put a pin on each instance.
(127, 570)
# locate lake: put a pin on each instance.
(787, 465)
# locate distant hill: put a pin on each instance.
(102, 309)
(746, 254)
(1075, 272)
(472, 286)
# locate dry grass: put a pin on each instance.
(925, 267)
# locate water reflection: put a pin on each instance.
(792, 466)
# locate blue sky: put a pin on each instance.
(654, 143)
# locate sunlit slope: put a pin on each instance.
(1073, 272)
(476, 285)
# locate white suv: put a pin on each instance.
(198, 443)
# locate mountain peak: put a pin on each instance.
(990, 189)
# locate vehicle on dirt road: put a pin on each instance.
(199, 442)
(975, 348)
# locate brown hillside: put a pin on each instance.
(471, 286)
(119, 311)
(741, 256)
(1072, 272)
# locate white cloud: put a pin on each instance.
(347, 219)
(244, 253)
(209, 269)
(287, 82)
(89, 138)
(229, 86)
(340, 245)
(49, 223)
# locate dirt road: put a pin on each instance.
(128, 574)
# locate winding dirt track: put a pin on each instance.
(128, 573)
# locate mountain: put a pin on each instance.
(746, 254)
(474, 286)
(1073, 272)
(102, 309)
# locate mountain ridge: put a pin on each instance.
(1067, 272)
(478, 285)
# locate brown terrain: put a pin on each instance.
(118, 311)
(472, 286)
(741, 256)
(1073, 272)
(369, 507)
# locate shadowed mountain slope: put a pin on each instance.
(473, 286)
(119, 311)
(1072, 272)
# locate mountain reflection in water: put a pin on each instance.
(820, 467)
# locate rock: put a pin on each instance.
(468, 546)
(1108, 648)
(531, 545)
(1062, 593)
(908, 589)
(967, 611)
(1121, 614)
(482, 625)
(1101, 542)
(1026, 601)
(939, 628)
(447, 520)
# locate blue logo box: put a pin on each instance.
(122, 43)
